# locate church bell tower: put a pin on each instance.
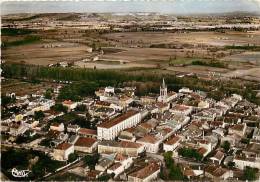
(163, 92)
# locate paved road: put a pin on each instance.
(24, 146)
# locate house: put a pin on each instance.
(206, 115)
(39, 105)
(60, 138)
(171, 143)
(127, 135)
(151, 143)
(148, 173)
(17, 129)
(84, 144)
(256, 134)
(147, 100)
(92, 175)
(103, 164)
(238, 129)
(191, 173)
(62, 151)
(57, 127)
(73, 128)
(217, 173)
(73, 138)
(109, 130)
(181, 109)
(185, 90)
(232, 139)
(85, 132)
(219, 132)
(117, 168)
(203, 104)
(162, 107)
(122, 147)
(125, 160)
(69, 104)
(218, 157)
(241, 162)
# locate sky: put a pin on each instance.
(125, 6)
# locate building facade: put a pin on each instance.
(109, 130)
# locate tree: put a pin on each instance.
(38, 115)
(168, 159)
(249, 173)
(175, 172)
(91, 161)
(72, 157)
(60, 108)
(190, 153)
(81, 107)
(231, 164)
(48, 94)
(226, 146)
(5, 100)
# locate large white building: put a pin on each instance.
(109, 130)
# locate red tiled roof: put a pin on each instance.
(86, 131)
(115, 166)
(125, 144)
(103, 103)
(120, 157)
(117, 120)
(173, 140)
(148, 139)
(67, 102)
(180, 107)
(238, 127)
(146, 171)
(202, 150)
(85, 142)
(63, 146)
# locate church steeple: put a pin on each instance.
(163, 84)
(163, 92)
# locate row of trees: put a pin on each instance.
(87, 80)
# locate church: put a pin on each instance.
(166, 97)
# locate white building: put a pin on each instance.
(172, 143)
(151, 143)
(121, 164)
(181, 109)
(62, 151)
(110, 90)
(256, 134)
(241, 163)
(109, 130)
(87, 145)
(69, 104)
(57, 127)
(148, 173)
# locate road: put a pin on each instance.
(65, 170)
(176, 159)
(24, 146)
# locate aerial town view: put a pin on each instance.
(130, 90)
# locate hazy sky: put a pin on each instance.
(161, 6)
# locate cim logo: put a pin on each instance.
(21, 173)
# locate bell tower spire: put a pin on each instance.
(163, 92)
